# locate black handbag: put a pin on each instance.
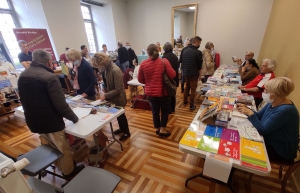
(169, 84)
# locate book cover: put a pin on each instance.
(190, 138)
(209, 144)
(229, 149)
(213, 131)
(253, 166)
(252, 149)
(249, 132)
(230, 135)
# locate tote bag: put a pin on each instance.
(169, 84)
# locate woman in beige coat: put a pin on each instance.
(208, 65)
(115, 92)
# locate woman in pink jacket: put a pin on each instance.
(151, 74)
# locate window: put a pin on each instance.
(89, 27)
(7, 23)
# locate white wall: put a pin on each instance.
(62, 19)
(176, 26)
(66, 23)
(30, 14)
(104, 26)
(190, 25)
(120, 19)
(230, 24)
(183, 24)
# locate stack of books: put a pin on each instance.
(252, 148)
(253, 155)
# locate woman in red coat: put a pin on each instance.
(151, 74)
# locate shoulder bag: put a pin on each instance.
(170, 85)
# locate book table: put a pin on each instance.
(236, 163)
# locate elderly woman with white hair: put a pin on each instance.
(208, 65)
(278, 121)
(84, 79)
(257, 85)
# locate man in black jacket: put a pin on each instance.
(123, 56)
(45, 106)
(132, 55)
(180, 62)
(191, 67)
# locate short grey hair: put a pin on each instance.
(120, 43)
(21, 42)
(168, 47)
(271, 64)
(41, 56)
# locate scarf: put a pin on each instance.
(75, 83)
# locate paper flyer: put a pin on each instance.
(217, 167)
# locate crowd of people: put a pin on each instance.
(277, 121)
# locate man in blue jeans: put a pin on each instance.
(123, 56)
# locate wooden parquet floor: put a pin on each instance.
(148, 163)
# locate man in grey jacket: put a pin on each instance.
(45, 106)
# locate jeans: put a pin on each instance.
(123, 123)
(124, 66)
(173, 104)
(191, 83)
(160, 104)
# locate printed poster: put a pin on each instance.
(36, 39)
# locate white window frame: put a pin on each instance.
(91, 21)
(12, 12)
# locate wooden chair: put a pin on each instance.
(291, 168)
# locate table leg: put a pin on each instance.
(211, 179)
(98, 146)
(113, 136)
(136, 96)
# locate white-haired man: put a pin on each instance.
(257, 85)
(45, 107)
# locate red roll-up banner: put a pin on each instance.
(36, 39)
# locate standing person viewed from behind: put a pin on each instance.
(180, 62)
(249, 71)
(84, 77)
(115, 92)
(45, 107)
(173, 59)
(191, 67)
(123, 56)
(208, 66)
(151, 74)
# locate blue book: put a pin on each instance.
(213, 131)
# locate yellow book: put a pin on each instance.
(191, 138)
(253, 149)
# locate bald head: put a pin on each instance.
(249, 55)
